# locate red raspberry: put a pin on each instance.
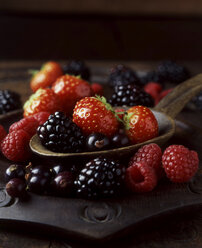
(97, 89)
(28, 124)
(162, 95)
(180, 163)
(41, 117)
(3, 133)
(15, 146)
(140, 177)
(152, 155)
(153, 89)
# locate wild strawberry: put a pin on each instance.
(42, 100)
(71, 89)
(140, 124)
(48, 74)
(95, 115)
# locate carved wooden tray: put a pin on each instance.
(104, 219)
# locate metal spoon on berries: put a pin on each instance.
(165, 113)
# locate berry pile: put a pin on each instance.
(122, 75)
(130, 95)
(9, 101)
(68, 118)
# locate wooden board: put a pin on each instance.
(103, 219)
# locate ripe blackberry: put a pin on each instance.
(77, 68)
(197, 100)
(151, 76)
(122, 75)
(169, 71)
(101, 177)
(9, 101)
(60, 134)
(130, 95)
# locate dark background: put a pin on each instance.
(102, 29)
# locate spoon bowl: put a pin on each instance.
(165, 113)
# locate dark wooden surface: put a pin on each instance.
(178, 231)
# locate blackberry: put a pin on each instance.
(9, 101)
(130, 95)
(151, 76)
(101, 177)
(197, 100)
(77, 68)
(169, 71)
(122, 75)
(60, 134)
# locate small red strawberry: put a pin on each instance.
(48, 74)
(71, 89)
(97, 89)
(42, 100)
(140, 124)
(95, 115)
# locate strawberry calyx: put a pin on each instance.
(126, 120)
(109, 107)
(33, 72)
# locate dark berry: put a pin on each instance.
(97, 142)
(197, 100)
(169, 71)
(101, 177)
(63, 183)
(60, 134)
(151, 76)
(9, 101)
(15, 171)
(120, 140)
(77, 68)
(41, 171)
(122, 75)
(38, 184)
(130, 95)
(16, 187)
(58, 168)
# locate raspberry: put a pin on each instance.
(140, 177)
(28, 124)
(2, 133)
(151, 154)
(153, 89)
(180, 163)
(15, 146)
(163, 94)
(97, 89)
(41, 117)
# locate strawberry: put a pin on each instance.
(71, 89)
(140, 124)
(95, 115)
(42, 100)
(49, 72)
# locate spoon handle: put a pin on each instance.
(175, 101)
